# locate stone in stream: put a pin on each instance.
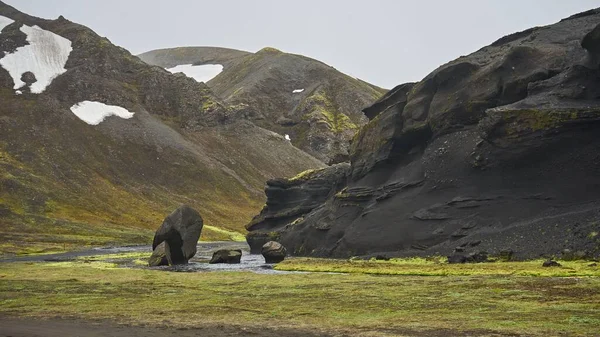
(180, 232)
(273, 252)
(230, 256)
(159, 257)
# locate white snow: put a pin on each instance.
(45, 56)
(202, 73)
(94, 113)
(297, 91)
(18, 92)
(287, 137)
(4, 21)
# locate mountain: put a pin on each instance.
(96, 146)
(172, 57)
(318, 107)
(495, 151)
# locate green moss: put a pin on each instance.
(324, 110)
(437, 266)
(336, 304)
(532, 120)
(304, 175)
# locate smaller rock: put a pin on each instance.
(230, 256)
(551, 263)
(273, 252)
(581, 255)
(158, 257)
(592, 265)
(506, 255)
(457, 258)
(382, 257)
(28, 77)
(567, 255)
(477, 257)
(475, 243)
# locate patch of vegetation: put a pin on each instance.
(323, 109)
(342, 303)
(438, 266)
(305, 175)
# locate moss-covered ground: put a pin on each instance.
(492, 299)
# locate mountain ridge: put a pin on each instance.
(66, 182)
(319, 107)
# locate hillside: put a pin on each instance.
(96, 146)
(319, 107)
(497, 151)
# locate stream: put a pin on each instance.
(199, 263)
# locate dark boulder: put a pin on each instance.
(230, 256)
(180, 232)
(477, 257)
(158, 257)
(457, 258)
(28, 77)
(550, 263)
(273, 252)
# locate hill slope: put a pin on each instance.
(74, 172)
(317, 106)
(495, 151)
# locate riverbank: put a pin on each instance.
(356, 303)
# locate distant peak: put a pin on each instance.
(269, 50)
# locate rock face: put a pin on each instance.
(313, 103)
(499, 147)
(182, 145)
(273, 252)
(230, 256)
(290, 200)
(180, 232)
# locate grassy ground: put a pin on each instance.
(482, 299)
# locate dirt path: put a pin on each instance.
(11, 327)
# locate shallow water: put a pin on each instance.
(199, 263)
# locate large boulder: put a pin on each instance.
(487, 148)
(273, 252)
(180, 232)
(230, 256)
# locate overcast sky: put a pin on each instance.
(385, 42)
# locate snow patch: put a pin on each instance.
(4, 21)
(202, 73)
(297, 91)
(45, 56)
(94, 113)
(287, 137)
(18, 92)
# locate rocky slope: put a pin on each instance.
(316, 105)
(498, 150)
(87, 177)
(171, 57)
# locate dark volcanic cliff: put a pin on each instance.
(497, 150)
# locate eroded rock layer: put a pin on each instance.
(498, 150)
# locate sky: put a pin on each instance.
(384, 42)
